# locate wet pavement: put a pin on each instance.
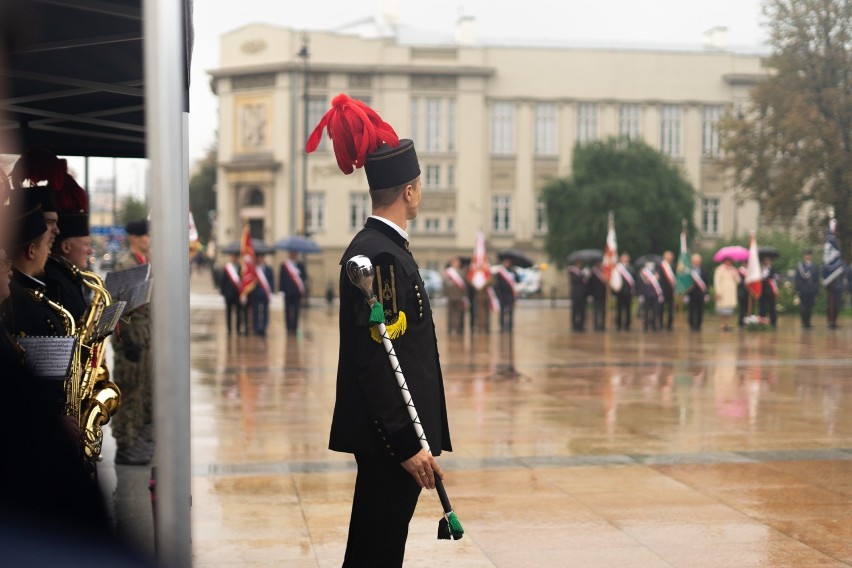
(621, 449)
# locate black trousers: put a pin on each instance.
(384, 502)
(507, 317)
(667, 306)
(578, 313)
(242, 316)
(622, 306)
(651, 320)
(599, 313)
(806, 308)
(742, 308)
(696, 312)
(292, 305)
(767, 308)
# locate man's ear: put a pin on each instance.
(31, 251)
(65, 246)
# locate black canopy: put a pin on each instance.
(74, 75)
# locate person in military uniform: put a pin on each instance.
(370, 419)
(132, 427)
(807, 287)
(456, 290)
(505, 286)
(292, 278)
(579, 292)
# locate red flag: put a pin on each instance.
(610, 258)
(480, 270)
(248, 274)
(754, 276)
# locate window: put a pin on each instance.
(502, 129)
(433, 125)
(433, 177)
(254, 198)
(670, 131)
(710, 131)
(628, 121)
(451, 176)
(359, 210)
(540, 216)
(587, 122)
(315, 209)
(317, 107)
(435, 118)
(451, 224)
(501, 213)
(545, 129)
(710, 215)
(431, 225)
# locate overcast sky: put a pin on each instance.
(649, 22)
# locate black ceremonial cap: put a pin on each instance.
(390, 166)
(28, 224)
(73, 225)
(43, 194)
(137, 228)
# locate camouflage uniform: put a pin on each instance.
(132, 424)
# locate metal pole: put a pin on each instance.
(114, 193)
(306, 55)
(167, 152)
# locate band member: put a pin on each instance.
(579, 292)
(697, 295)
(456, 291)
(370, 419)
(69, 255)
(807, 287)
(293, 281)
(667, 282)
(624, 296)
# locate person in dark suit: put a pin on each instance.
(260, 295)
(370, 419)
(229, 287)
(742, 296)
(667, 283)
(292, 278)
(624, 296)
(697, 295)
(456, 291)
(769, 292)
(652, 297)
(807, 287)
(505, 286)
(597, 289)
(579, 293)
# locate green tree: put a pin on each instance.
(793, 145)
(202, 194)
(646, 192)
(132, 209)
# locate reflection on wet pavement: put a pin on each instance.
(624, 449)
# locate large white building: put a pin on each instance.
(491, 124)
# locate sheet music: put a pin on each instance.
(48, 357)
(109, 319)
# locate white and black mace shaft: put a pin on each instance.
(360, 271)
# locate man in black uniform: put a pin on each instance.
(370, 418)
(807, 287)
(69, 255)
(597, 289)
(578, 296)
(292, 278)
(505, 286)
(697, 295)
(624, 296)
(229, 286)
(667, 283)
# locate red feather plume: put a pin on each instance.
(38, 164)
(355, 131)
(72, 198)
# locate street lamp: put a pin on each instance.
(306, 56)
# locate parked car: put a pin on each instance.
(433, 282)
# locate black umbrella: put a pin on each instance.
(260, 247)
(298, 243)
(585, 255)
(517, 258)
(767, 251)
(646, 258)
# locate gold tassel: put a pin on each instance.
(395, 330)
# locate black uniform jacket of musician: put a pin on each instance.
(24, 314)
(65, 286)
(370, 417)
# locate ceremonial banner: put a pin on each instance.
(480, 271)
(832, 263)
(248, 274)
(754, 276)
(611, 257)
(683, 280)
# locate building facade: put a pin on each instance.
(491, 125)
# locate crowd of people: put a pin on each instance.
(651, 291)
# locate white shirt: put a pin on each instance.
(391, 224)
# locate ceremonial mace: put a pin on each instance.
(360, 271)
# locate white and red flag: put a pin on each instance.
(610, 258)
(248, 272)
(754, 275)
(480, 271)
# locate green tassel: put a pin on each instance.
(456, 528)
(377, 314)
(443, 529)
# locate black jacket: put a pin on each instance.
(65, 287)
(807, 279)
(288, 284)
(26, 315)
(369, 415)
(226, 286)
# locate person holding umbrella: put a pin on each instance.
(370, 418)
(726, 280)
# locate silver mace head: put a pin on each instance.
(361, 273)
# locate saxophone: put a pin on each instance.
(97, 398)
